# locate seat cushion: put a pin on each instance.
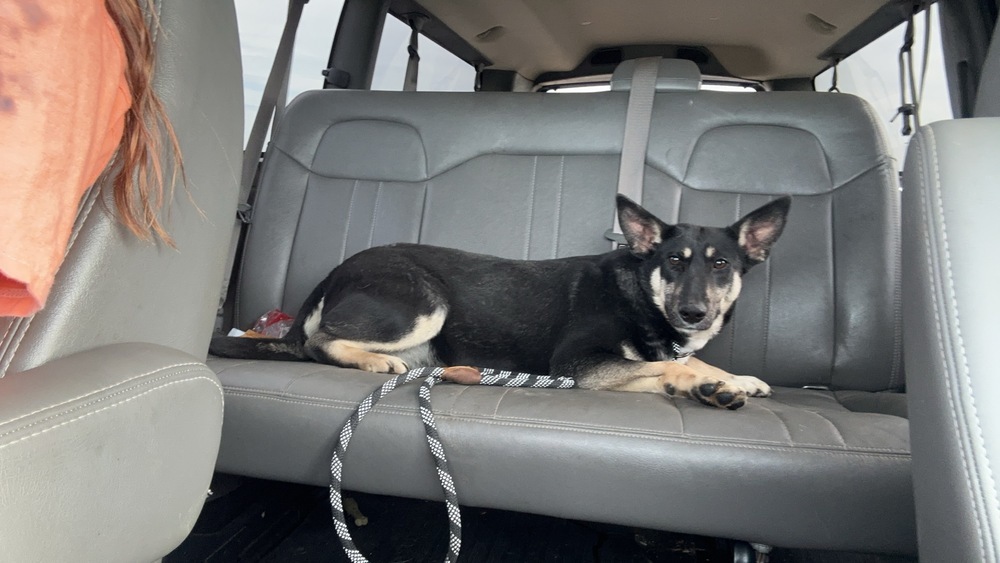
(799, 469)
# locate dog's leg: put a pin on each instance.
(675, 378)
(372, 332)
(752, 385)
(666, 378)
(347, 353)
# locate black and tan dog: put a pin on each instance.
(627, 320)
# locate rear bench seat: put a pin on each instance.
(527, 175)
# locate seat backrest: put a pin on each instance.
(114, 288)
(950, 315)
(532, 175)
(824, 309)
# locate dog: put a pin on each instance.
(626, 320)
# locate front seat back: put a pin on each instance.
(109, 419)
(950, 319)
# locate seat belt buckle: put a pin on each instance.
(243, 213)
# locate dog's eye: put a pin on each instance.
(720, 264)
(674, 260)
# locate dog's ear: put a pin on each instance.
(760, 229)
(642, 230)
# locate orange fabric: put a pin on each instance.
(63, 99)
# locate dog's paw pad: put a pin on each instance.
(707, 389)
(720, 394)
(725, 398)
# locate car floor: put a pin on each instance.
(257, 520)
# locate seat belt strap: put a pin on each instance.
(910, 110)
(274, 89)
(637, 120)
(268, 114)
(416, 22)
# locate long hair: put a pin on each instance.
(136, 170)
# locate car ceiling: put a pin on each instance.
(752, 39)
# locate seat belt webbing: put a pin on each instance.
(268, 114)
(910, 110)
(636, 138)
(416, 22)
(273, 90)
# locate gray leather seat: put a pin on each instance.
(109, 419)
(529, 175)
(951, 312)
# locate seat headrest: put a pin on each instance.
(674, 75)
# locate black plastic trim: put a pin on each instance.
(604, 60)
(878, 24)
(435, 30)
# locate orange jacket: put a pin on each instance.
(63, 99)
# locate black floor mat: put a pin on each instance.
(253, 520)
(405, 531)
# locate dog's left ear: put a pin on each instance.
(642, 230)
(760, 229)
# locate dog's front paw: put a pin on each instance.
(681, 379)
(754, 387)
(718, 393)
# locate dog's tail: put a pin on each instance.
(280, 349)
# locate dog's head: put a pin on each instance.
(693, 274)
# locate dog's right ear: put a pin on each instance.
(642, 230)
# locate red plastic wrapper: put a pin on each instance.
(273, 324)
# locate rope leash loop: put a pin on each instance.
(432, 376)
(443, 470)
(340, 451)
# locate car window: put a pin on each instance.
(440, 70)
(873, 74)
(261, 23)
(604, 87)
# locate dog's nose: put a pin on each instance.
(692, 313)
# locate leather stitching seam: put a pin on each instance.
(958, 406)
(94, 402)
(113, 405)
(101, 390)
